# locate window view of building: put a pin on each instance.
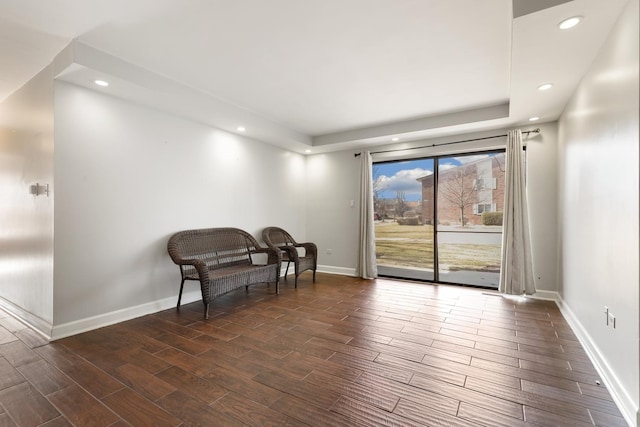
(443, 226)
(466, 191)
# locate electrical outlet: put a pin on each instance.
(329, 251)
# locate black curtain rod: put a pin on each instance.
(537, 130)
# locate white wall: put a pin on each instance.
(26, 233)
(127, 177)
(332, 224)
(542, 190)
(599, 207)
(332, 182)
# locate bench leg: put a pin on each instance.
(246, 288)
(206, 311)
(287, 271)
(180, 294)
(314, 276)
(296, 282)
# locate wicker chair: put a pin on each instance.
(278, 238)
(221, 259)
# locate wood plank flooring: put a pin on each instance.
(340, 352)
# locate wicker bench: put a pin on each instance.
(221, 259)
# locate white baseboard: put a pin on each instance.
(546, 295)
(337, 270)
(106, 319)
(29, 319)
(620, 395)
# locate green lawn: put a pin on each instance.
(412, 246)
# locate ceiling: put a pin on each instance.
(317, 75)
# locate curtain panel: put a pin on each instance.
(366, 266)
(516, 274)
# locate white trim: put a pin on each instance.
(117, 316)
(620, 396)
(106, 319)
(337, 270)
(38, 324)
(546, 295)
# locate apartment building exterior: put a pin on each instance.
(465, 191)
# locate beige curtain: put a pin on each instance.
(516, 274)
(366, 266)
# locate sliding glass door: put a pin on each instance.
(404, 219)
(440, 218)
(469, 209)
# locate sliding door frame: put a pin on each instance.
(436, 163)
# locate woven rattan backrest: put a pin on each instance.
(275, 236)
(215, 246)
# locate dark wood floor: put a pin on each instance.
(342, 351)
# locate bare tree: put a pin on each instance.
(458, 186)
(401, 204)
(379, 187)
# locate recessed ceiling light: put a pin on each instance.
(240, 128)
(570, 22)
(545, 86)
(533, 119)
(101, 83)
(307, 151)
(396, 139)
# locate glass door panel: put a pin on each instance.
(470, 197)
(403, 197)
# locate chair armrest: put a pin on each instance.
(199, 265)
(291, 251)
(309, 248)
(273, 255)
